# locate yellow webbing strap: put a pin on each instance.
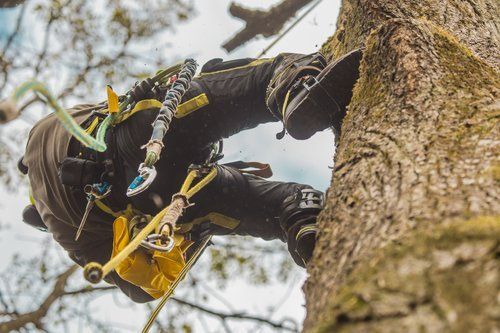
(128, 212)
(214, 218)
(145, 104)
(191, 105)
(182, 274)
(113, 106)
(252, 64)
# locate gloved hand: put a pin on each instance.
(153, 272)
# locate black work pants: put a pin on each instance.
(236, 94)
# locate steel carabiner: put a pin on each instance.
(142, 181)
(166, 241)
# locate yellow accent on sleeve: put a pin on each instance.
(32, 198)
(252, 64)
(92, 126)
(112, 100)
(192, 105)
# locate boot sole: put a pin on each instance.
(306, 115)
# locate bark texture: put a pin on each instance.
(410, 238)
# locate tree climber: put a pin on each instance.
(226, 98)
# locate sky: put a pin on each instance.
(299, 161)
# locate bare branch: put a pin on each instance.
(10, 3)
(46, 40)
(224, 316)
(88, 290)
(3, 61)
(260, 22)
(35, 317)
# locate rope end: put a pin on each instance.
(93, 272)
(8, 111)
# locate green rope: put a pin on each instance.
(65, 118)
(98, 143)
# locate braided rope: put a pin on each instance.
(168, 109)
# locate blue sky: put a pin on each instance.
(7, 21)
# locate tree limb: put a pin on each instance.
(35, 317)
(224, 316)
(10, 3)
(3, 61)
(258, 22)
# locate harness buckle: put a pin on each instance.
(310, 83)
(141, 183)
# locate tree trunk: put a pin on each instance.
(410, 237)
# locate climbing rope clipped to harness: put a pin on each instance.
(147, 171)
(158, 234)
(119, 108)
(164, 222)
(165, 225)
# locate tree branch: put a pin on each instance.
(3, 60)
(260, 22)
(35, 317)
(87, 290)
(10, 3)
(224, 316)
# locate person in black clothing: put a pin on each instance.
(301, 91)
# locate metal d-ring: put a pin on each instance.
(149, 243)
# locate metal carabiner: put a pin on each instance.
(166, 241)
(142, 181)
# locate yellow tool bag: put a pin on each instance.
(152, 271)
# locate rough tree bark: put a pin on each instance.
(410, 237)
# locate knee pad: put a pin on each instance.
(301, 207)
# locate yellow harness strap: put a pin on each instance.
(191, 105)
(145, 104)
(92, 126)
(113, 104)
(214, 218)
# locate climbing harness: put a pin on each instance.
(119, 108)
(175, 78)
(164, 222)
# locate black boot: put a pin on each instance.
(298, 220)
(309, 96)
